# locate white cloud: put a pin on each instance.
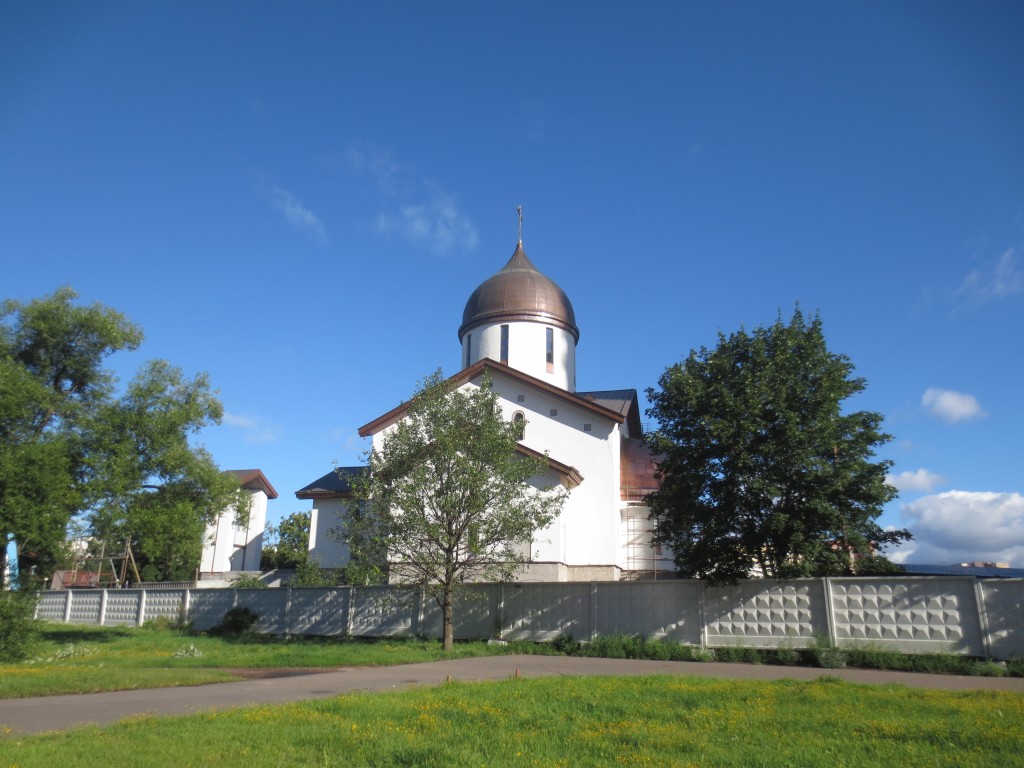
(299, 216)
(436, 224)
(919, 480)
(433, 221)
(964, 526)
(257, 430)
(386, 173)
(995, 281)
(950, 406)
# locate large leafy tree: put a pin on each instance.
(448, 497)
(70, 445)
(761, 470)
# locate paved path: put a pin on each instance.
(47, 713)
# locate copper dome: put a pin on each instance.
(519, 292)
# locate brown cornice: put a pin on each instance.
(571, 475)
(467, 374)
(320, 493)
(250, 477)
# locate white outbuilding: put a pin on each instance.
(231, 544)
(519, 326)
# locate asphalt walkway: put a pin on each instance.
(48, 713)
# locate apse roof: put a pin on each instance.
(336, 483)
(519, 291)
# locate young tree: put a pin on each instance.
(761, 471)
(448, 497)
(287, 545)
(68, 445)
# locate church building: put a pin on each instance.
(520, 327)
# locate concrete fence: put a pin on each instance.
(955, 614)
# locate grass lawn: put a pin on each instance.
(654, 721)
(75, 658)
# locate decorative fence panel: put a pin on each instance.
(545, 612)
(207, 607)
(169, 604)
(1003, 616)
(123, 606)
(319, 611)
(923, 615)
(654, 609)
(384, 611)
(911, 614)
(87, 607)
(765, 614)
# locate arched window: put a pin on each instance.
(519, 420)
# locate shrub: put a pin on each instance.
(161, 624)
(565, 644)
(237, 621)
(248, 581)
(1015, 667)
(824, 654)
(737, 654)
(19, 629)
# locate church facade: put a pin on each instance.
(519, 327)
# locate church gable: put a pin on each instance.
(527, 383)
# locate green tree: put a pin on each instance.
(68, 445)
(158, 489)
(287, 545)
(448, 497)
(761, 471)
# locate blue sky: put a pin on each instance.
(299, 198)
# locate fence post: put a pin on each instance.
(142, 607)
(982, 614)
(830, 619)
(701, 616)
(593, 610)
(103, 607)
(349, 609)
(288, 612)
(501, 611)
(67, 607)
(186, 607)
(422, 596)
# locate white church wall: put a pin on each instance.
(232, 547)
(527, 351)
(325, 548)
(586, 533)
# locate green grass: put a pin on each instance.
(654, 721)
(75, 658)
(83, 659)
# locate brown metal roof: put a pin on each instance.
(622, 401)
(637, 467)
(519, 291)
(476, 369)
(254, 479)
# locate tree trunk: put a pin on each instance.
(446, 608)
